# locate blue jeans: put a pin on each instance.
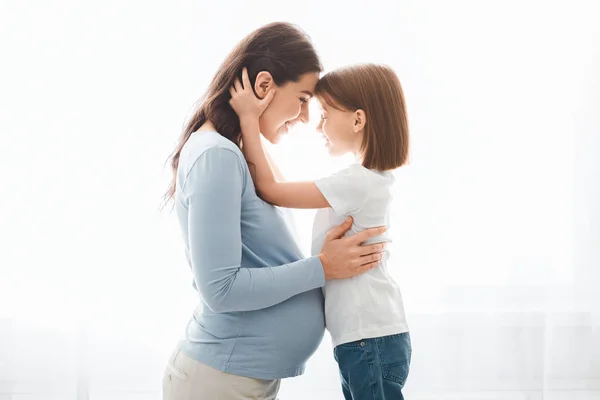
(374, 369)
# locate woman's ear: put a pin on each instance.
(360, 119)
(264, 83)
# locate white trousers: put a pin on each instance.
(188, 379)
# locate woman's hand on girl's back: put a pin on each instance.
(345, 257)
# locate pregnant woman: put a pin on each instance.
(260, 312)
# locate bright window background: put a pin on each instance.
(495, 222)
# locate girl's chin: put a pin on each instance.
(330, 149)
(334, 151)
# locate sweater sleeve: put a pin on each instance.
(212, 192)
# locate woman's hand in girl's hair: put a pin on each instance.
(244, 102)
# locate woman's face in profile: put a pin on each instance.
(288, 107)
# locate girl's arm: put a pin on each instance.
(269, 188)
(278, 174)
(279, 177)
(285, 194)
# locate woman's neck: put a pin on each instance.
(207, 127)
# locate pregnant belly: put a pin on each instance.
(293, 329)
(286, 334)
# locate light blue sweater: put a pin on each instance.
(261, 308)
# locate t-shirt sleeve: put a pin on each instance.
(346, 190)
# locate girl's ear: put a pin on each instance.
(360, 119)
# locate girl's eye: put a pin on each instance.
(303, 100)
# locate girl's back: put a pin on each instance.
(368, 305)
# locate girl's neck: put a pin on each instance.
(357, 151)
(357, 157)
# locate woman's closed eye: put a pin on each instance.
(303, 100)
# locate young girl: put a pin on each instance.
(363, 112)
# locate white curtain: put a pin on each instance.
(496, 220)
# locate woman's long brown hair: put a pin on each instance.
(280, 48)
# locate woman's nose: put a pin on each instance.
(304, 114)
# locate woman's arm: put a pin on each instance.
(212, 192)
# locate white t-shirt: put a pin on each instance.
(367, 305)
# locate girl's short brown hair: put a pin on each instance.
(376, 90)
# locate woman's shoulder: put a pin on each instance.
(210, 153)
(201, 142)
